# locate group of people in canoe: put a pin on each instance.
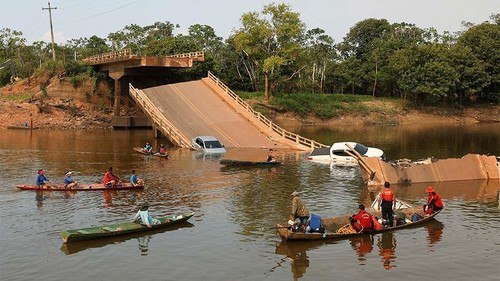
(148, 148)
(363, 221)
(110, 180)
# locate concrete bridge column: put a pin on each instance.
(117, 76)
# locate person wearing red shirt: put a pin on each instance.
(387, 203)
(110, 180)
(362, 221)
(434, 202)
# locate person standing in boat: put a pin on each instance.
(387, 203)
(110, 179)
(362, 221)
(434, 202)
(144, 216)
(41, 179)
(68, 181)
(299, 210)
(134, 180)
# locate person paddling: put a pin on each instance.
(110, 179)
(144, 216)
(68, 181)
(162, 150)
(434, 202)
(41, 179)
(134, 180)
(148, 148)
(270, 156)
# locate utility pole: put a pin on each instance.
(51, 30)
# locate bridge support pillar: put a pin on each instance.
(157, 133)
(117, 103)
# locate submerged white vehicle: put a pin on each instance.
(208, 144)
(336, 154)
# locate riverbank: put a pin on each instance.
(63, 106)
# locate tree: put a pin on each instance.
(271, 41)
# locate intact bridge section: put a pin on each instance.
(182, 111)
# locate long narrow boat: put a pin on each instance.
(82, 187)
(334, 225)
(157, 154)
(97, 232)
(241, 163)
(21, 127)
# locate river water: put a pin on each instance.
(230, 238)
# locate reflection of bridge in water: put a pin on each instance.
(182, 111)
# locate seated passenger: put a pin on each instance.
(68, 181)
(41, 179)
(144, 216)
(147, 148)
(110, 179)
(134, 181)
(270, 156)
(162, 150)
(299, 212)
(362, 221)
(434, 202)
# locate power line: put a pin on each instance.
(100, 14)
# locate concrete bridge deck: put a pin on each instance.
(183, 111)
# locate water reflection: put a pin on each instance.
(434, 233)
(143, 244)
(363, 245)
(386, 243)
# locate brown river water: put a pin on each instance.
(230, 238)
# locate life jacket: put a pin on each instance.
(365, 219)
(387, 195)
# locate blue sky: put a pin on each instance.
(84, 18)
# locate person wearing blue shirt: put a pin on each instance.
(134, 180)
(41, 179)
(144, 217)
(68, 181)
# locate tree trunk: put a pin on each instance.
(375, 81)
(266, 87)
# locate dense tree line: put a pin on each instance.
(273, 52)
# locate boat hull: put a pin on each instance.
(239, 163)
(82, 187)
(98, 232)
(337, 222)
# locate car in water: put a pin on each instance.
(208, 145)
(336, 154)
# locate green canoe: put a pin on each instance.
(97, 232)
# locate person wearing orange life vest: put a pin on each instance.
(362, 221)
(434, 202)
(387, 203)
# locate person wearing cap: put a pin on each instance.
(299, 210)
(68, 181)
(41, 179)
(110, 179)
(387, 203)
(434, 202)
(144, 216)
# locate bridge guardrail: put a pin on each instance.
(263, 119)
(198, 54)
(167, 128)
(110, 56)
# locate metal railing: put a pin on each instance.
(110, 56)
(263, 119)
(199, 54)
(158, 119)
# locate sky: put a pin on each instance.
(84, 18)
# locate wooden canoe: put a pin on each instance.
(241, 163)
(20, 127)
(97, 232)
(82, 187)
(333, 224)
(157, 154)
